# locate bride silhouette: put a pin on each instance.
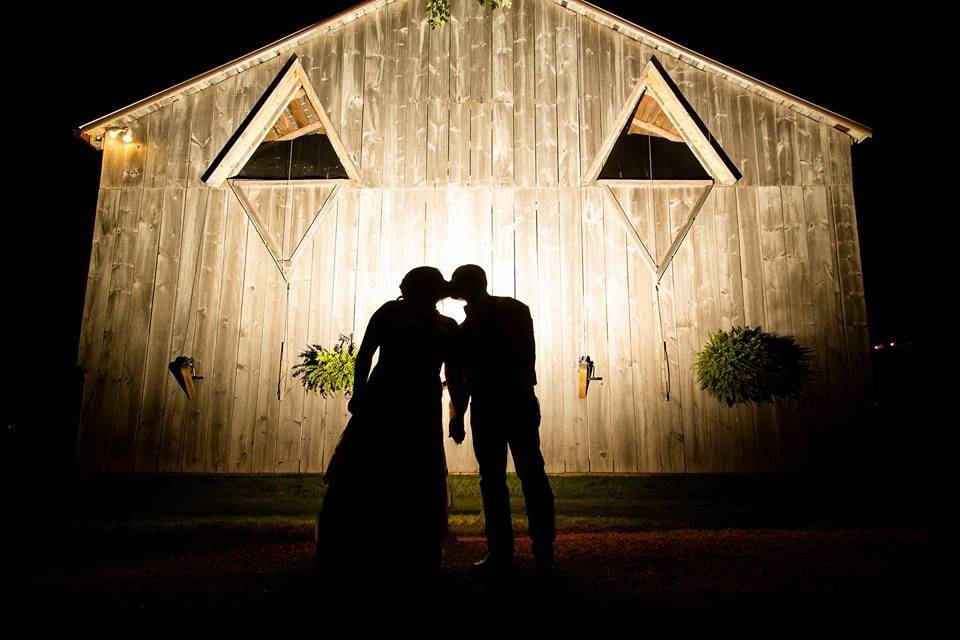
(385, 510)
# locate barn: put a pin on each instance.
(635, 194)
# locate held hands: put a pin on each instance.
(456, 430)
(355, 404)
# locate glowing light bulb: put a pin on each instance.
(127, 137)
(113, 133)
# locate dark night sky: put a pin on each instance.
(103, 62)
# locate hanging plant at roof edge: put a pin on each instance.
(750, 365)
(438, 11)
(327, 371)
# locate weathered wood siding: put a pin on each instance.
(471, 140)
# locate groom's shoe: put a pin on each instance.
(543, 558)
(493, 565)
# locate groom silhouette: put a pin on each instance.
(498, 358)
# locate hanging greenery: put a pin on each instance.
(327, 371)
(438, 11)
(751, 365)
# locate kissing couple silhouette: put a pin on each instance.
(384, 516)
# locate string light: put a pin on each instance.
(124, 133)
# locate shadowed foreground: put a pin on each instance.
(632, 546)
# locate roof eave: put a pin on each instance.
(854, 129)
(93, 130)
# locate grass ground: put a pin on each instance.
(166, 547)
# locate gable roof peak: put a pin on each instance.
(95, 128)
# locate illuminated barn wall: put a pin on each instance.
(471, 141)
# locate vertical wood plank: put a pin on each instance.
(595, 302)
(257, 264)
(576, 450)
(591, 124)
(372, 153)
(549, 335)
(342, 314)
(670, 397)
(545, 94)
(643, 339)
(156, 375)
(98, 279)
(319, 330)
(481, 141)
(830, 338)
(201, 152)
(619, 372)
(503, 98)
(206, 312)
(331, 78)
(416, 75)
(737, 444)
(810, 152)
(459, 120)
(788, 150)
(97, 297)
(742, 104)
(109, 377)
(802, 412)
(765, 133)
(413, 230)
(685, 313)
(568, 99)
(371, 292)
(157, 149)
(224, 115)
(290, 431)
(225, 358)
(351, 89)
(438, 81)
(524, 93)
(184, 323)
(123, 442)
(721, 115)
(178, 158)
(502, 278)
(707, 286)
(776, 296)
(850, 275)
(751, 266)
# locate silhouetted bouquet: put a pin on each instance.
(327, 371)
(751, 365)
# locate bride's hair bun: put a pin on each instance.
(424, 283)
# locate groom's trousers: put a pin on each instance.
(498, 421)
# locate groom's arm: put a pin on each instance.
(519, 328)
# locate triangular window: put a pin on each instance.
(287, 136)
(658, 137)
(650, 148)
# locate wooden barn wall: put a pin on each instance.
(471, 140)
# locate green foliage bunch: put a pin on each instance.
(327, 371)
(750, 365)
(438, 11)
